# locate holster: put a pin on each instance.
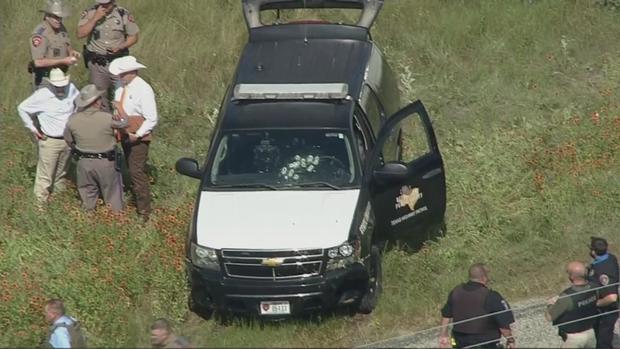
(102, 60)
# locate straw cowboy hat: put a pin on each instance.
(56, 8)
(125, 64)
(88, 95)
(58, 78)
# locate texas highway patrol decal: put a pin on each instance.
(408, 197)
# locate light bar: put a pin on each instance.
(291, 91)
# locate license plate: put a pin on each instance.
(275, 308)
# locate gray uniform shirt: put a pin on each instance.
(92, 131)
(47, 43)
(110, 32)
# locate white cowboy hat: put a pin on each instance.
(58, 78)
(103, 2)
(88, 95)
(56, 8)
(124, 64)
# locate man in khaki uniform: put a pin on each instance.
(111, 31)
(50, 46)
(90, 133)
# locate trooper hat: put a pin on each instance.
(56, 8)
(125, 64)
(88, 95)
(58, 78)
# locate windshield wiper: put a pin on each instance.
(247, 185)
(318, 184)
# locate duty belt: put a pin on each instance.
(108, 155)
(90, 56)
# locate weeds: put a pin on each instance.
(524, 100)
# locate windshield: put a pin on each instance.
(277, 159)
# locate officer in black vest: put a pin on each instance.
(604, 270)
(575, 303)
(474, 300)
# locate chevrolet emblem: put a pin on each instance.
(272, 262)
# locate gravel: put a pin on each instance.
(531, 330)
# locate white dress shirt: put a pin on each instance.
(139, 100)
(53, 112)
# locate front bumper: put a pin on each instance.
(213, 290)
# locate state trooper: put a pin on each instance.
(604, 270)
(111, 31)
(50, 46)
(490, 314)
(90, 134)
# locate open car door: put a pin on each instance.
(407, 186)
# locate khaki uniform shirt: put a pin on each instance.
(110, 32)
(47, 43)
(92, 131)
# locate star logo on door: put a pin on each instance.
(408, 197)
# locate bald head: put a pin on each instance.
(478, 272)
(577, 271)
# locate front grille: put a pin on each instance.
(295, 263)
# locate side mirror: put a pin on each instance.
(188, 167)
(391, 172)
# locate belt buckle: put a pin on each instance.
(99, 156)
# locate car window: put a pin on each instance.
(361, 139)
(408, 141)
(373, 109)
(284, 158)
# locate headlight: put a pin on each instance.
(204, 257)
(341, 256)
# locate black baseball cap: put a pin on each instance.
(598, 245)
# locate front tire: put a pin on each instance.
(202, 311)
(369, 300)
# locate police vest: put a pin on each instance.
(583, 306)
(468, 304)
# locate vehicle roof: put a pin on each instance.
(287, 114)
(306, 53)
(300, 53)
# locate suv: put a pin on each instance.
(306, 176)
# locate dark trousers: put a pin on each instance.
(604, 330)
(470, 340)
(136, 155)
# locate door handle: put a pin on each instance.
(431, 173)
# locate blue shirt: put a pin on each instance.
(60, 337)
(599, 259)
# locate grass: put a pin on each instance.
(524, 99)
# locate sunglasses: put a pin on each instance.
(59, 19)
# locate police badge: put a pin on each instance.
(603, 279)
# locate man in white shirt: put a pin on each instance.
(45, 114)
(135, 102)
